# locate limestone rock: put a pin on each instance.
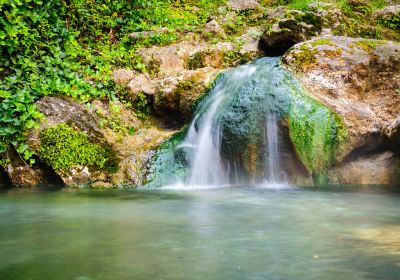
(357, 79)
(22, 174)
(178, 94)
(242, 5)
(213, 27)
(392, 131)
(285, 28)
(123, 76)
(180, 73)
(141, 83)
(387, 12)
(104, 124)
(376, 169)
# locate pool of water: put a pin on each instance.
(228, 233)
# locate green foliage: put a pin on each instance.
(70, 48)
(140, 104)
(63, 148)
(392, 22)
(301, 5)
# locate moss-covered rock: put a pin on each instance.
(63, 148)
(357, 79)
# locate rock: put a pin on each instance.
(22, 174)
(106, 125)
(387, 13)
(213, 27)
(392, 131)
(124, 76)
(357, 79)
(242, 5)
(285, 28)
(141, 84)
(169, 60)
(178, 94)
(376, 169)
(180, 73)
(331, 16)
(211, 57)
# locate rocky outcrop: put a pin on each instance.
(177, 75)
(109, 128)
(387, 13)
(285, 28)
(376, 169)
(358, 79)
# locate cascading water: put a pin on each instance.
(237, 137)
(272, 160)
(207, 167)
(205, 137)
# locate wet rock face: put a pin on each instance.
(358, 79)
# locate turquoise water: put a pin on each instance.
(231, 233)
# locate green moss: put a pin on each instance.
(63, 148)
(368, 45)
(321, 41)
(316, 133)
(305, 55)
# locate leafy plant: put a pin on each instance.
(70, 48)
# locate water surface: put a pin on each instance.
(229, 233)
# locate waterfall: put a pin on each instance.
(272, 160)
(205, 134)
(234, 137)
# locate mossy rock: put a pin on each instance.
(63, 148)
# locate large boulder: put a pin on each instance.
(358, 79)
(371, 169)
